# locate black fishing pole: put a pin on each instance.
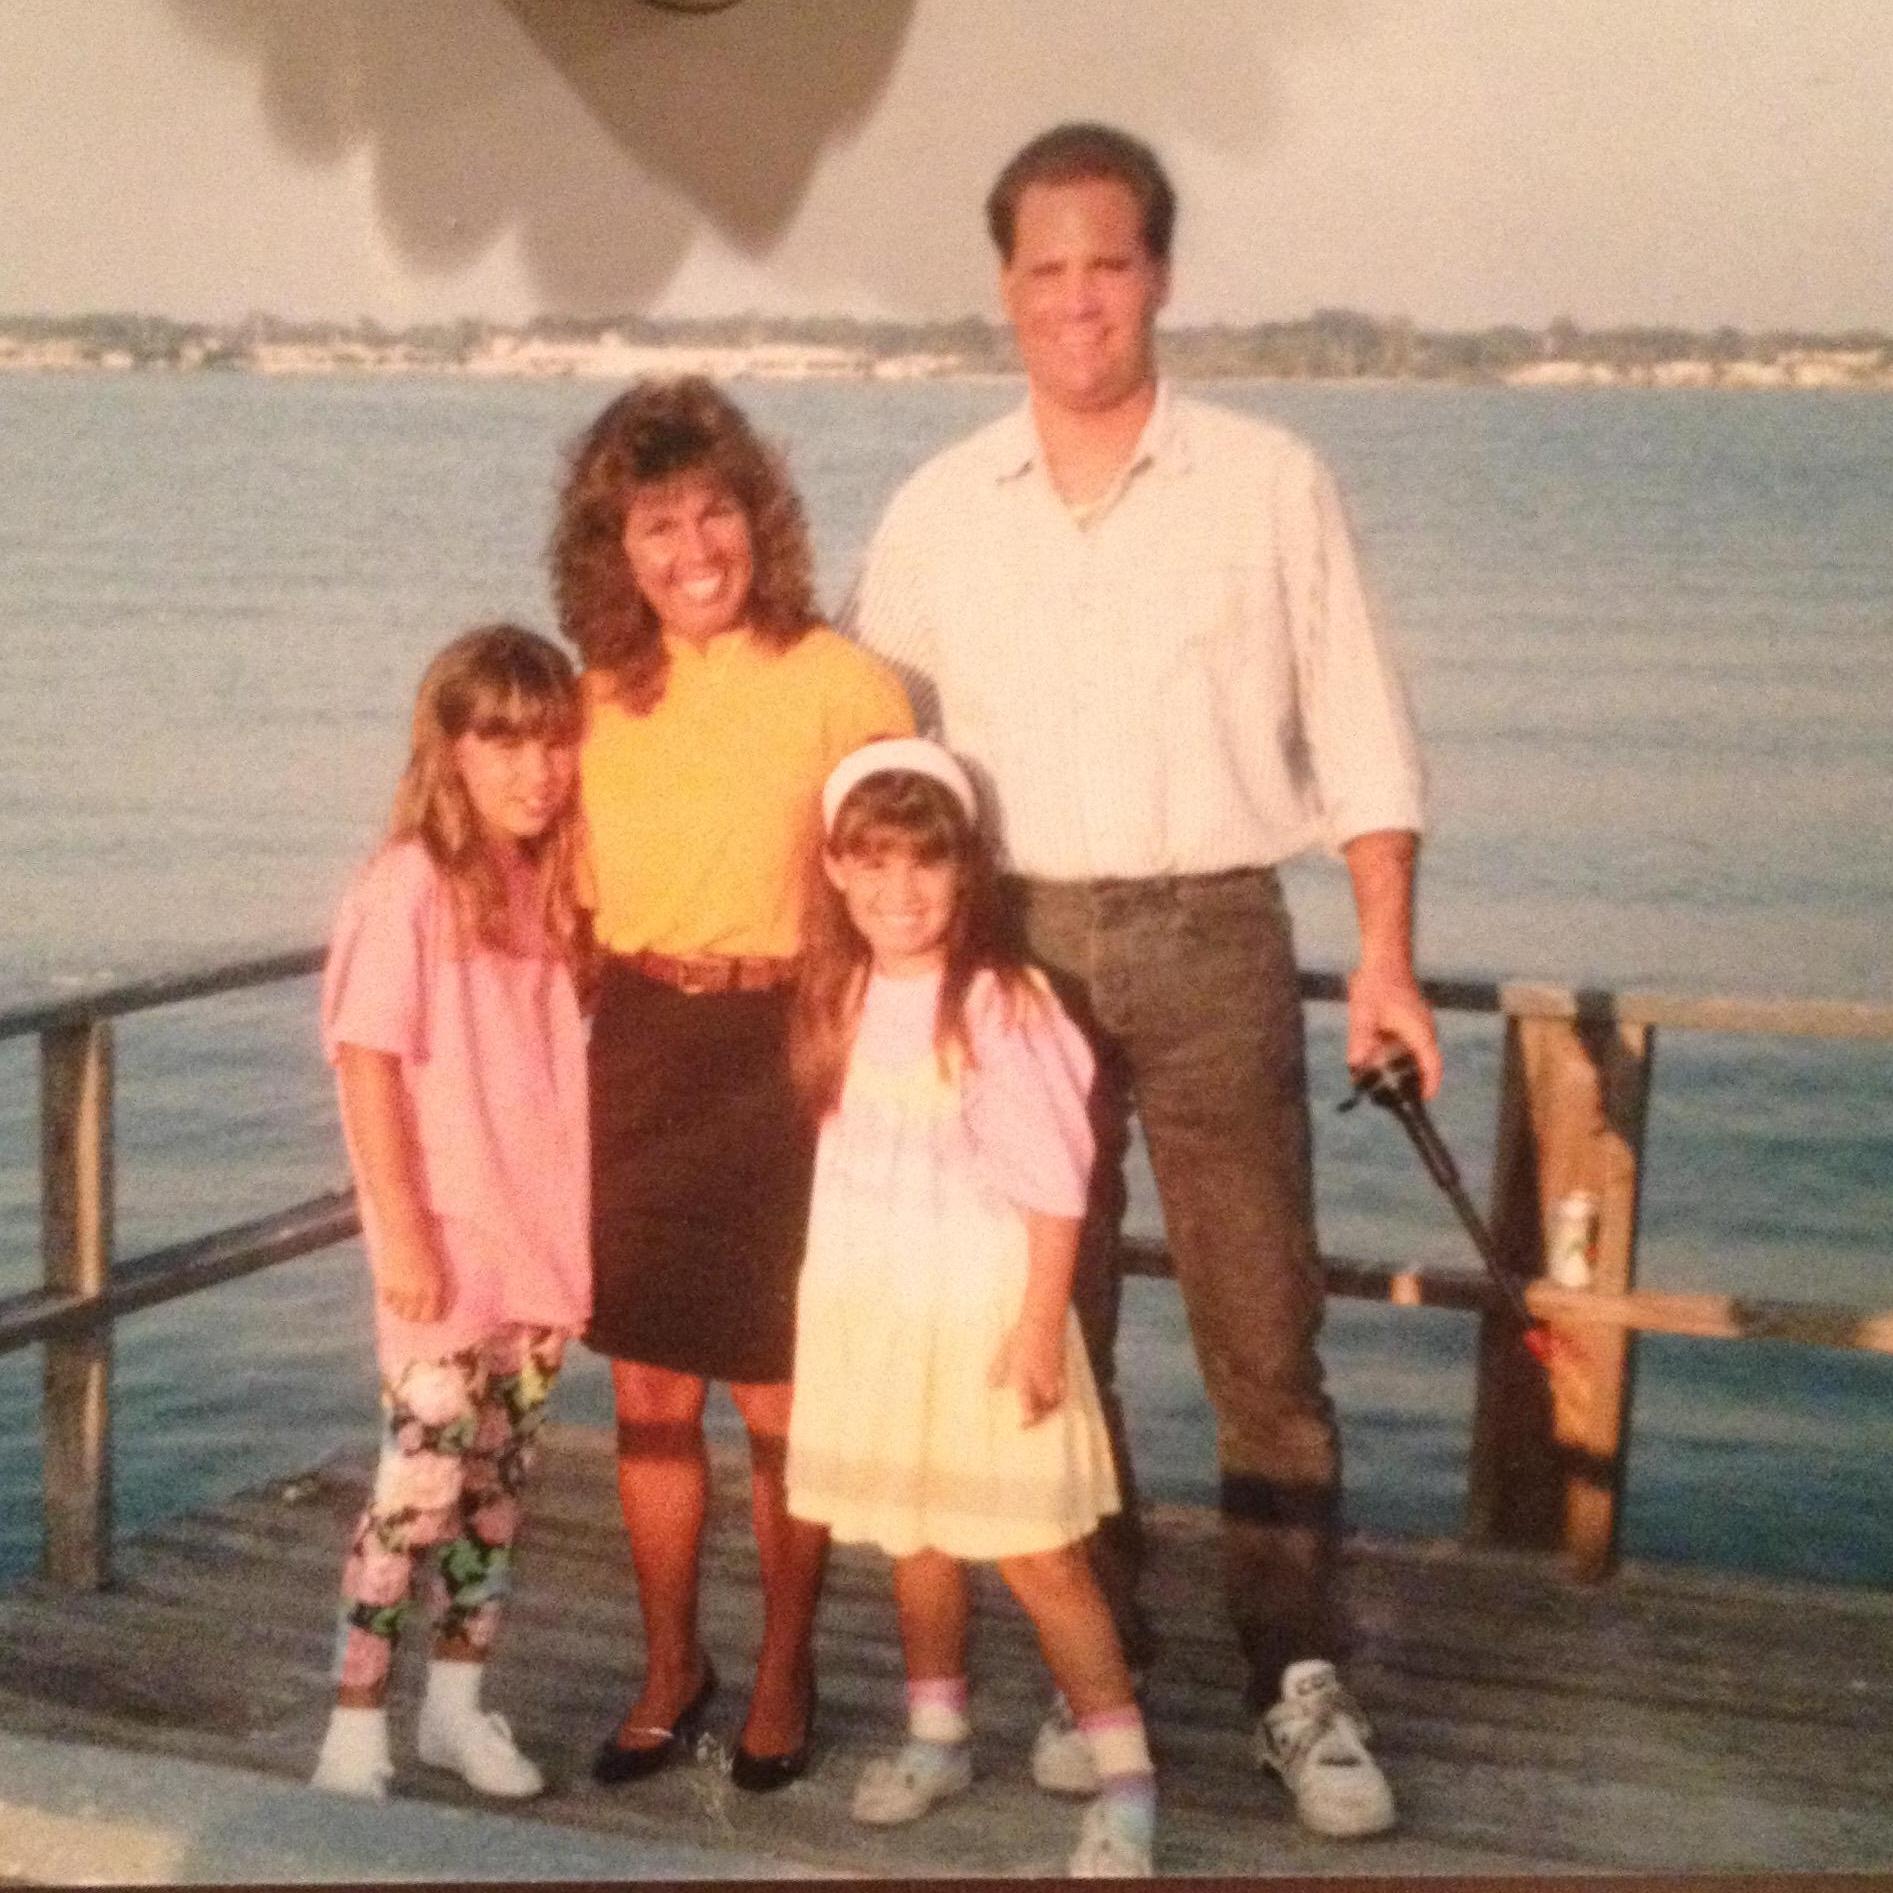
(1393, 1083)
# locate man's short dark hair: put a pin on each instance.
(1073, 154)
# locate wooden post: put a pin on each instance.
(1550, 1440)
(76, 1245)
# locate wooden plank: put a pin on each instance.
(69, 1011)
(1787, 1018)
(181, 1269)
(76, 1247)
(1511, 1473)
(1519, 999)
(1550, 1439)
(1592, 1369)
(1717, 1317)
(1708, 1317)
(1674, 1721)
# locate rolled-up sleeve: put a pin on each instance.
(1363, 750)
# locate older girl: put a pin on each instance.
(450, 1014)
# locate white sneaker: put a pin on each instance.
(897, 1788)
(1316, 1739)
(1108, 1848)
(1061, 1755)
(354, 1756)
(481, 1750)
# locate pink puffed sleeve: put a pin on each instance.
(1027, 1096)
(374, 982)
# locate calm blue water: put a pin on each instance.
(1650, 637)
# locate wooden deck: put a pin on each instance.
(1670, 1721)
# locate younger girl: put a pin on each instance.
(450, 1015)
(944, 1409)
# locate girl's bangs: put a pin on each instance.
(920, 832)
(521, 711)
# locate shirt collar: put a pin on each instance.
(1164, 443)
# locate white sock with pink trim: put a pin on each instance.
(936, 1711)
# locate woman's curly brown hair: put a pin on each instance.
(654, 431)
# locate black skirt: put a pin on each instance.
(701, 1167)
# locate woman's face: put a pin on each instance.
(687, 540)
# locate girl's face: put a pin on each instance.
(901, 905)
(688, 543)
(518, 785)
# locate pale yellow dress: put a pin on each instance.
(915, 1272)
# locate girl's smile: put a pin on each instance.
(518, 785)
(901, 905)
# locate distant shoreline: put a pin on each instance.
(1333, 347)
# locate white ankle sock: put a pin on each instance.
(936, 1711)
(453, 1691)
(1117, 1742)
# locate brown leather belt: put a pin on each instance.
(714, 972)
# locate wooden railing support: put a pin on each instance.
(76, 1247)
(1550, 1439)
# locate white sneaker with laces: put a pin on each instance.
(894, 1789)
(1316, 1739)
(1109, 1847)
(1061, 1755)
(481, 1750)
(354, 1755)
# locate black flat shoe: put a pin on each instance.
(764, 1774)
(615, 1764)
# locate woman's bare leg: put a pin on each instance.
(663, 1486)
(793, 1555)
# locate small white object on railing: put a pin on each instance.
(1573, 1232)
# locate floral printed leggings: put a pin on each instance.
(457, 1443)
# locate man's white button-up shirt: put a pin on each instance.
(1183, 678)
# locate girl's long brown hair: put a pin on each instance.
(896, 808)
(496, 680)
(659, 430)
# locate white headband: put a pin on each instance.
(915, 754)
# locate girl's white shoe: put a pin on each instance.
(354, 1759)
(480, 1749)
(1112, 1844)
(897, 1788)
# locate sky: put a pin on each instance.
(1459, 162)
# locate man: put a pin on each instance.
(1138, 617)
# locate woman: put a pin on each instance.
(715, 705)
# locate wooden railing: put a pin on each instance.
(84, 1288)
(1549, 1440)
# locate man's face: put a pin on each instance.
(1083, 291)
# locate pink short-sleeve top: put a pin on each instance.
(492, 1057)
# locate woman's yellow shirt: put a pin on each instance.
(704, 815)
